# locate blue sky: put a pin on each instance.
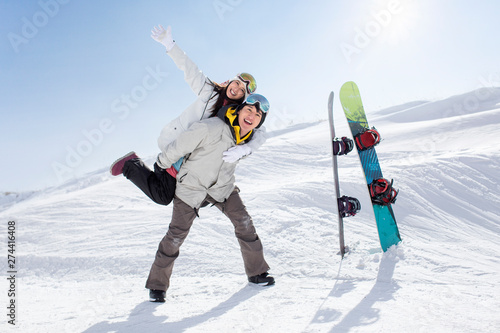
(83, 83)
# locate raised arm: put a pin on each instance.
(192, 74)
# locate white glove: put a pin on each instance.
(163, 36)
(236, 153)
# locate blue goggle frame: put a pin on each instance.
(257, 98)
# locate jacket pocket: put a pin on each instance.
(182, 177)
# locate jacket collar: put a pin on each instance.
(229, 115)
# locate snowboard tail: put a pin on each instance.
(387, 228)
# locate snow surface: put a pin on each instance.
(84, 249)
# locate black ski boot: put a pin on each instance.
(157, 296)
(262, 279)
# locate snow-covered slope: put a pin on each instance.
(84, 249)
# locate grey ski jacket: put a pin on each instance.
(203, 171)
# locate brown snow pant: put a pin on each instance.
(182, 220)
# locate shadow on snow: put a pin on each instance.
(365, 313)
(142, 319)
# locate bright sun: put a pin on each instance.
(403, 19)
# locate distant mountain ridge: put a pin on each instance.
(478, 100)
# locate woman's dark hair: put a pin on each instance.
(220, 94)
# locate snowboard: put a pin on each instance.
(343, 248)
(353, 109)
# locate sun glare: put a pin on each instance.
(403, 19)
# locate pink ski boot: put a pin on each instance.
(117, 167)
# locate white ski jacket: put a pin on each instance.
(199, 109)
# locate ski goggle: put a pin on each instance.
(249, 80)
(256, 98)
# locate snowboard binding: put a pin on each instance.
(342, 146)
(367, 139)
(348, 206)
(382, 192)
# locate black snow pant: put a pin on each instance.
(159, 185)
